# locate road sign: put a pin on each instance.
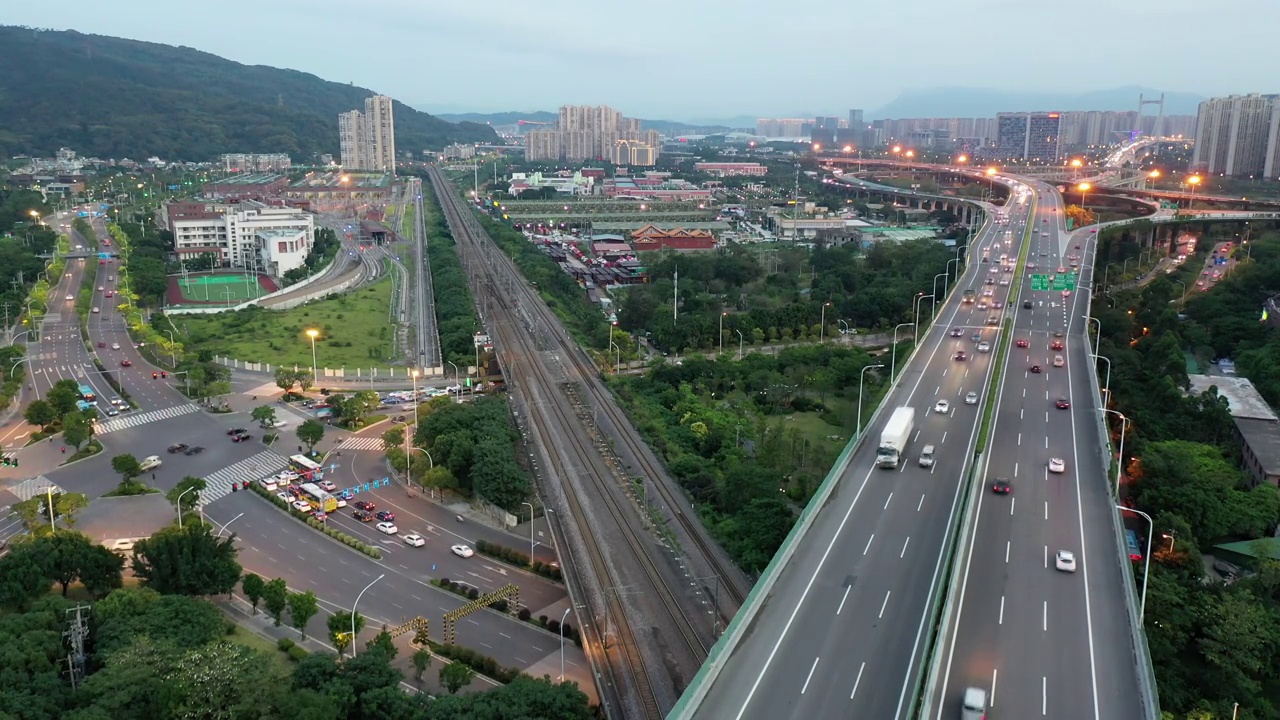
(1066, 281)
(1039, 282)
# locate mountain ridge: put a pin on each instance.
(113, 97)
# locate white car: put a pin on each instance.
(96, 310)
(414, 539)
(115, 346)
(942, 407)
(342, 502)
(301, 506)
(284, 496)
(71, 297)
(387, 528)
(984, 346)
(971, 398)
(1004, 282)
(268, 484)
(327, 486)
(1056, 465)
(1065, 561)
(463, 551)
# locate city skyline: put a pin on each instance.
(576, 64)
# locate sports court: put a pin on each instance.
(219, 288)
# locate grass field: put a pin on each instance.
(222, 288)
(254, 641)
(353, 327)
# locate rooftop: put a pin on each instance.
(316, 181)
(1263, 439)
(1244, 400)
(248, 179)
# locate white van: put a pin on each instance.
(149, 463)
(926, 456)
(974, 705)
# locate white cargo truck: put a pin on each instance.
(893, 441)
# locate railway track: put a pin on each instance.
(572, 454)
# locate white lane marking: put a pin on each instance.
(857, 680)
(1012, 502)
(992, 699)
(921, 503)
(886, 500)
(1019, 438)
(868, 547)
(1015, 469)
(1044, 695)
(904, 548)
(1007, 545)
(944, 437)
(810, 677)
(1046, 509)
(885, 604)
(1044, 619)
(1046, 556)
(843, 599)
(1001, 619)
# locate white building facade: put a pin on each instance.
(245, 235)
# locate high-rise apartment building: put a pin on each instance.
(585, 132)
(1237, 136)
(855, 119)
(1033, 137)
(255, 162)
(367, 140)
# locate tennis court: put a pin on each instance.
(218, 288)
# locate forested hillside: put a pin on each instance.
(113, 98)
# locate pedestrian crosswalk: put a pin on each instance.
(361, 443)
(31, 487)
(218, 484)
(134, 420)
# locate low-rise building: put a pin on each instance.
(230, 231)
(1257, 425)
(654, 187)
(650, 238)
(725, 169)
(282, 250)
(248, 186)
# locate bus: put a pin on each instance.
(87, 394)
(318, 499)
(304, 465)
(83, 406)
(1131, 544)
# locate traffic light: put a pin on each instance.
(8, 461)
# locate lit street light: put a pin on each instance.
(313, 334)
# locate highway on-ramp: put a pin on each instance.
(843, 631)
(1043, 642)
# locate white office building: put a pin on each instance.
(249, 234)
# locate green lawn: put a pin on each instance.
(406, 226)
(252, 640)
(354, 331)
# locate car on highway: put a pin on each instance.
(463, 551)
(1026, 304)
(993, 319)
(971, 398)
(388, 528)
(327, 486)
(1056, 345)
(1056, 465)
(365, 505)
(1065, 560)
(1001, 486)
(193, 451)
(984, 346)
(1058, 361)
(177, 448)
(300, 506)
(100, 288)
(112, 411)
(956, 332)
(1022, 343)
(71, 298)
(362, 515)
(95, 311)
(1061, 270)
(110, 294)
(386, 515)
(414, 540)
(982, 304)
(1062, 403)
(126, 363)
(988, 292)
(150, 462)
(1034, 369)
(268, 483)
(961, 355)
(942, 407)
(1031, 264)
(115, 346)
(1066, 293)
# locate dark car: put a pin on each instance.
(194, 450)
(956, 332)
(1001, 487)
(177, 447)
(386, 516)
(362, 515)
(236, 431)
(1063, 403)
(365, 505)
(1035, 369)
(125, 363)
(1026, 304)
(961, 355)
(241, 438)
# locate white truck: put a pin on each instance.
(893, 441)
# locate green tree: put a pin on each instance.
(302, 607)
(305, 380)
(34, 513)
(393, 439)
(310, 432)
(265, 415)
(188, 490)
(253, 586)
(40, 412)
(127, 466)
(421, 660)
(63, 396)
(339, 625)
(286, 379)
(69, 556)
(275, 598)
(77, 429)
(187, 561)
(23, 576)
(455, 676)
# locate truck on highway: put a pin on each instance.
(893, 441)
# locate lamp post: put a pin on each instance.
(455, 377)
(1124, 426)
(1146, 564)
(179, 504)
(955, 260)
(741, 339)
(223, 526)
(944, 283)
(173, 358)
(861, 377)
(1193, 181)
(562, 619)
(920, 298)
(617, 358)
(822, 322)
(313, 334)
(1097, 339)
(721, 333)
(530, 530)
(1107, 384)
(1083, 188)
(893, 354)
(353, 611)
(1183, 283)
(1169, 536)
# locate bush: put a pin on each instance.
(499, 605)
(297, 653)
(524, 614)
(284, 644)
(553, 626)
(473, 593)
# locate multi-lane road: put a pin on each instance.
(1043, 642)
(843, 632)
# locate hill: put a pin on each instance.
(983, 102)
(113, 98)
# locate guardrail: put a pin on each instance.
(693, 696)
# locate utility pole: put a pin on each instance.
(75, 639)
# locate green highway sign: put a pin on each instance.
(1039, 282)
(1064, 282)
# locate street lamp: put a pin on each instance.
(741, 339)
(822, 322)
(618, 361)
(920, 298)
(179, 504)
(530, 530)
(313, 334)
(1107, 384)
(1097, 340)
(224, 525)
(962, 159)
(455, 377)
(942, 275)
(1083, 188)
(862, 376)
(353, 612)
(1169, 536)
(721, 334)
(562, 619)
(893, 355)
(173, 357)
(1124, 426)
(1146, 564)
(1183, 283)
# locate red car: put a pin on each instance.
(125, 363)
(365, 506)
(1056, 345)
(1063, 403)
(960, 355)
(1022, 343)
(1001, 487)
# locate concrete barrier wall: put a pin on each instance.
(375, 375)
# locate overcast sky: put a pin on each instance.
(693, 59)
